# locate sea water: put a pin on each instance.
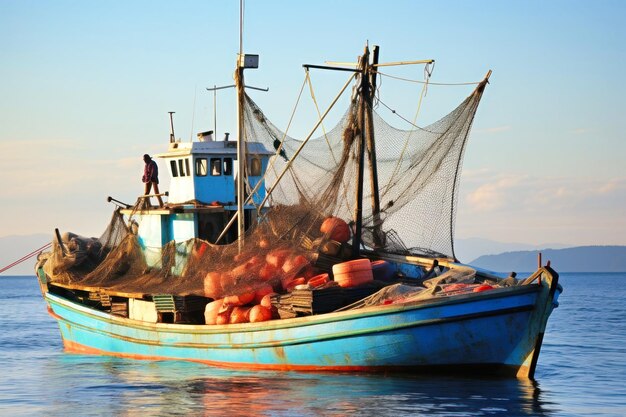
(581, 372)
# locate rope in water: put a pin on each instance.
(25, 257)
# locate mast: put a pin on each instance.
(371, 149)
(365, 128)
(362, 124)
(239, 83)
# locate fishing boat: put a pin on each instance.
(326, 253)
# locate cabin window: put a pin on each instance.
(216, 166)
(202, 167)
(181, 169)
(187, 166)
(174, 168)
(255, 167)
(228, 166)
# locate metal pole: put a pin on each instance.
(358, 212)
(371, 151)
(215, 110)
(172, 137)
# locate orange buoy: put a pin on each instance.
(262, 292)
(294, 263)
(277, 257)
(318, 280)
(211, 311)
(266, 301)
(267, 272)
(239, 299)
(289, 285)
(239, 315)
(260, 313)
(246, 297)
(213, 284)
(336, 229)
(484, 287)
(223, 316)
(254, 261)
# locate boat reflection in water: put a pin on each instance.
(174, 388)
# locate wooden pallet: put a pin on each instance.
(319, 301)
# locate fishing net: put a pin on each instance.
(308, 224)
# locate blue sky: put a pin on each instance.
(85, 87)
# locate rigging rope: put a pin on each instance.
(426, 82)
(319, 114)
(402, 117)
(25, 257)
(410, 132)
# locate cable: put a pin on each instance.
(426, 82)
(25, 257)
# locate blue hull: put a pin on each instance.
(495, 331)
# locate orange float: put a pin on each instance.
(318, 280)
(239, 315)
(277, 257)
(336, 229)
(259, 313)
(353, 279)
(266, 301)
(352, 266)
(213, 284)
(484, 287)
(240, 299)
(353, 273)
(267, 272)
(246, 297)
(262, 292)
(223, 316)
(254, 261)
(211, 311)
(294, 263)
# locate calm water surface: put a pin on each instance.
(581, 372)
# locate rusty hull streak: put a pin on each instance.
(462, 369)
(280, 353)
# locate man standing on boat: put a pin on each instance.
(151, 178)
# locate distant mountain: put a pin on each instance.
(576, 259)
(472, 248)
(13, 248)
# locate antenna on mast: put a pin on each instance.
(172, 137)
(215, 88)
